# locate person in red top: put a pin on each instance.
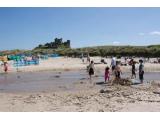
(107, 74)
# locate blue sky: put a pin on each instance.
(25, 28)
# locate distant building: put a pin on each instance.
(58, 43)
(67, 44)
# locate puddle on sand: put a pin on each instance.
(52, 81)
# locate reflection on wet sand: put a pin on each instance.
(56, 81)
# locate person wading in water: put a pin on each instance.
(133, 76)
(91, 69)
(141, 71)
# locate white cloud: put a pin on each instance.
(141, 34)
(150, 33)
(155, 33)
(116, 42)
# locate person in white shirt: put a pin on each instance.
(113, 63)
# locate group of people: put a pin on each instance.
(25, 60)
(88, 58)
(116, 70)
(141, 69)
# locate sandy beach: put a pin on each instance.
(55, 86)
(115, 98)
(66, 64)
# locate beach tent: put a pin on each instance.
(14, 57)
(25, 61)
(54, 55)
(44, 57)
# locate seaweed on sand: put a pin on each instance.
(122, 81)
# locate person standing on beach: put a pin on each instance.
(141, 71)
(107, 74)
(82, 60)
(125, 60)
(91, 69)
(88, 58)
(118, 70)
(82, 57)
(5, 64)
(133, 69)
(113, 63)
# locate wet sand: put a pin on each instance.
(72, 91)
(56, 81)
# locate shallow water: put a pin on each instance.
(53, 81)
(39, 81)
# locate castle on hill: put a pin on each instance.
(57, 43)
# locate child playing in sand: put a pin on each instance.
(141, 71)
(91, 69)
(107, 74)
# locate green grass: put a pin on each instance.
(146, 51)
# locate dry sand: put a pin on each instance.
(63, 63)
(114, 99)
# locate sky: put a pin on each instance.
(26, 28)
